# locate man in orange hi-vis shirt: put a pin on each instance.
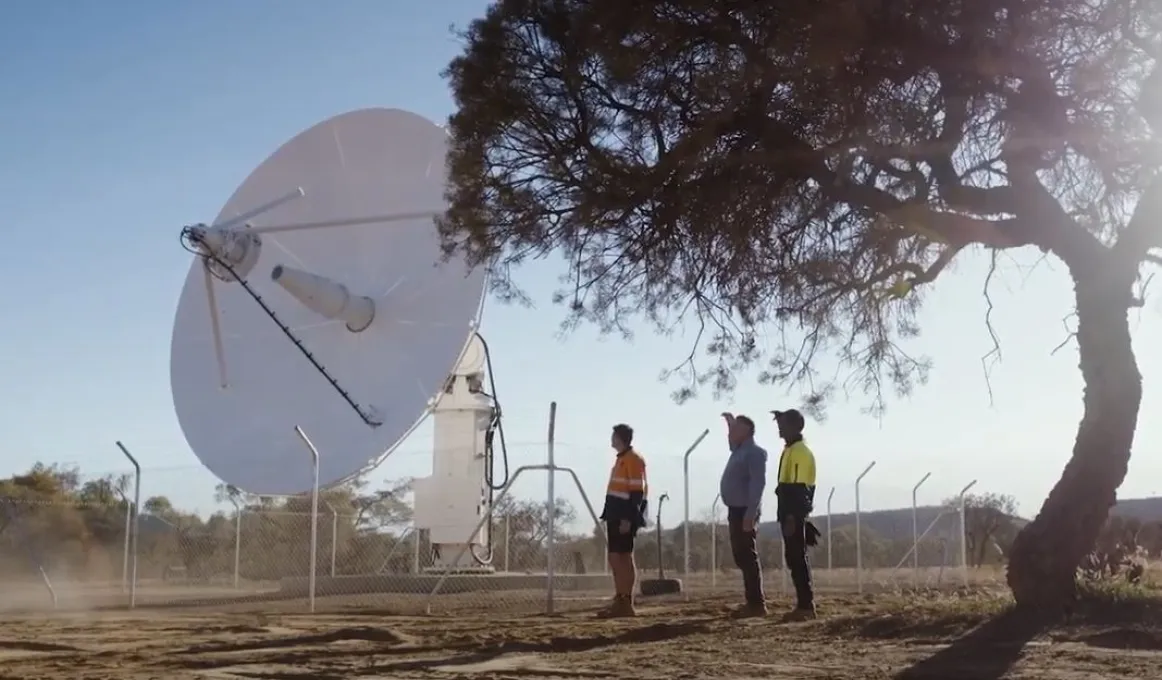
(624, 515)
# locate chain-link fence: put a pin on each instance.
(77, 543)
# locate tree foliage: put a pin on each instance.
(785, 176)
(52, 520)
(990, 524)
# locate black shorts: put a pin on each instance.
(619, 543)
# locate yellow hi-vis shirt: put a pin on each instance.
(797, 465)
(796, 484)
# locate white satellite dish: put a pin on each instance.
(317, 301)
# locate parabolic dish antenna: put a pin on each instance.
(317, 301)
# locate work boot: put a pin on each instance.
(800, 614)
(750, 610)
(621, 607)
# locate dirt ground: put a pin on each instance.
(863, 638)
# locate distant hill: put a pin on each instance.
(887, 524)
(1144, 509)
(897, 524)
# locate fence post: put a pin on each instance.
(314, 515)
(507, 535)
(416, 550)
(714, 541)
(551, 543)
(915, 535)
(237, 537)
(858, 547)
(334, 534)
(686, 503)
(964, 534)
(829, 497)
(125, 556)
(136, 524)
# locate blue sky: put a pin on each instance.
(122, 121)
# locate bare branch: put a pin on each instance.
(993, 356)
(1070, 333)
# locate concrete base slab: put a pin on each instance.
(422, 584)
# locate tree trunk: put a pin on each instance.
(1046, 553)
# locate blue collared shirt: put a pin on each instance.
(745, 478)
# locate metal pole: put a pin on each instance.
(658, 535)
(334, 534)
(125, 557)
(551, 544)
(686, 502)
(964, 534)
(136, 524)
(507, 535)
(416, 551)
(237, 538)
(714, 541)
(858, 548)
(314, 515)
(915, 536)
(829, 497)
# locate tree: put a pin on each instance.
(160, 507)
(802, 171)
(385, 508)
(525, 525)
(988, 519)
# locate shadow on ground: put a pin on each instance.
(990, 650)
(987, 652)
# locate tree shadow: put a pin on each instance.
(1124, 621)
(987, 652)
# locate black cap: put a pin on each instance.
(791, 418)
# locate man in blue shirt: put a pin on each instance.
(743, 482)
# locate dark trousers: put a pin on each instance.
(744, 545)
(798, 561)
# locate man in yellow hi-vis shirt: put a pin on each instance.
(624, 514)
(796, 495)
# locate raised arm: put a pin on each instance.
(729, 418)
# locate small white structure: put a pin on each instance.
(450, 503)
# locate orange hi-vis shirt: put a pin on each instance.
(625, 495)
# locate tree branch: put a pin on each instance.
(990, 359)
(1144, 230)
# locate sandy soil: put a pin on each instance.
(857, 638)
